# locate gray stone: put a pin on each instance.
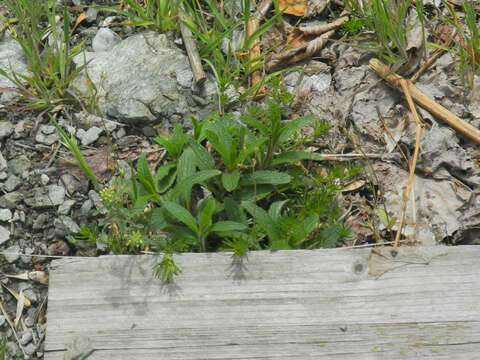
(20, 130)
(90, 136)
(27, 336)
(5, 214)
(11, 200)
(105, 40)
(12, 253)
(3, 175)
(3, 162)
(4, 235)
(94, 120)
(47, 134)
(120, 133)
(44, 179)
(46, 196)
(2, 320)
(134, 79)
(11, 55)
(86, 207)
(65, 208)
(303, 81)
(27, 259)
(20, 165)
(6, 129)
(30, 349)
(200, 100)
(149, 131)
(91, 15)
(40, 222)
(65, 225)
(71, 183)
(13, 183)
(30, 320)
(12, 349)
(19, 215)
(97, 201)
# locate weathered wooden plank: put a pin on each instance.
(333, 304)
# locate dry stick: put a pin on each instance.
(404, 85)
(254, 50)
(192, 52)
(424, 101)
(5, 314)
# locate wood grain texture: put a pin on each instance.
(328, 304)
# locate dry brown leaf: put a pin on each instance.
(79, 19)
(294, 7)
(353, 185)
(16, 295)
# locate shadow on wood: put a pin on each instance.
(329, 304)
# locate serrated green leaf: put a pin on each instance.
(204, 159)
(206, 211)
(156, 219)
(230, 180)
(275, 210)
(180, 214)
(234, 210)
(271, 177)
(197, 178)
(293, 126)
(264, 220)
(144, 175)
(174, 143)
(223, 143)
(227, 226)
(256, 192)
(304, 229)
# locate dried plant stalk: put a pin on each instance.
(427, 103)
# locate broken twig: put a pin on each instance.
(427, 103)
(192, 52)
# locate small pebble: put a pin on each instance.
(44, 179)
(26, 338)
(5, 214)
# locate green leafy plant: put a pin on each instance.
(231, 67)
(48, 51)
(156, 14)
(234, 184)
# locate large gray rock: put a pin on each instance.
(11, 54)
(137, 79)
